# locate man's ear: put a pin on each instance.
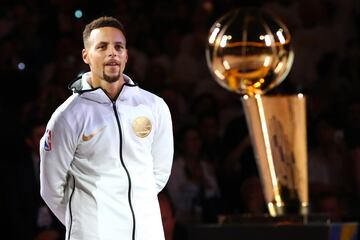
(85, 56)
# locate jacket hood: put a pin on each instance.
(81, 83)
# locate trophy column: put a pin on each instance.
(277, 127)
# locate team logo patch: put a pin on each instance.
(47, 143)
(141, 126)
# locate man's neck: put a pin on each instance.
(112, 89)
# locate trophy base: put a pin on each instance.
(293, 206)
(289, 219)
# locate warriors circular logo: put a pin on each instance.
(142, 126)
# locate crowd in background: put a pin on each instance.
(214, 171)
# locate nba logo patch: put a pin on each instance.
(47, 144)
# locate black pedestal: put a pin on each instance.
(267, 228)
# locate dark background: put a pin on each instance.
(40, 53)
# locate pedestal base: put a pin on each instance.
(280, 220)
(315, 227)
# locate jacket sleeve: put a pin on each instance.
(163, 145)
(57, 148)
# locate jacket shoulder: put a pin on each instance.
(149, 96)
(66, 109)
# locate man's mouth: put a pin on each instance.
(112, 63)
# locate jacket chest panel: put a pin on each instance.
(102, 141)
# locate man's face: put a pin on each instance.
(105, 52)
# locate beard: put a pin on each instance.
(113, 78)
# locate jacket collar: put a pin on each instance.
(81, 86)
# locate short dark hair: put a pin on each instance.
(100, 22)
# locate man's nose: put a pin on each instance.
(112, 51)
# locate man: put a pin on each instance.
(107, 151)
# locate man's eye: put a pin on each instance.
(119, 47)
(101, 47)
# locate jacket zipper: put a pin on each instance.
(126, 170)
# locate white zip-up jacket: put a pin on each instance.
(103, 163)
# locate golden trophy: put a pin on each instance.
(249, 52)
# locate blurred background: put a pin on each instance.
(40, 46)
